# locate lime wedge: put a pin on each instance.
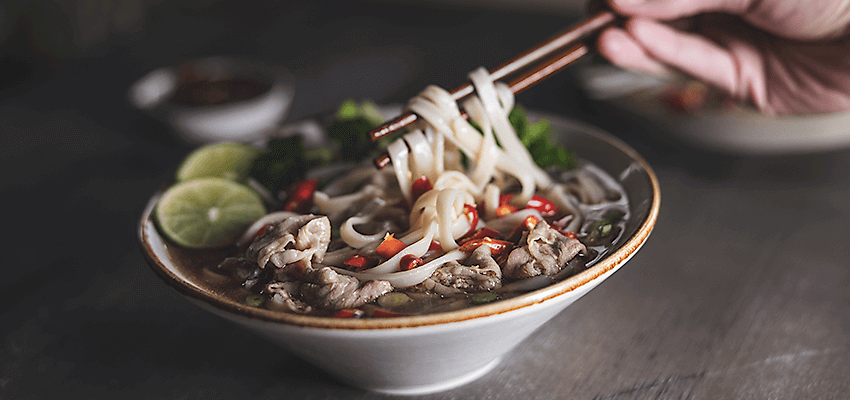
(230, 161)
(207, 212)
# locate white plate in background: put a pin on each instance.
(741, 130)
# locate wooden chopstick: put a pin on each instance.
(517, 85)
(537, 53)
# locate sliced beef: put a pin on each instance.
(324, 288)
(544, 251)
(302, 239)
(480, 273)
(284, 295)
(244, 272)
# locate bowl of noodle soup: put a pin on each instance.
(434, 350)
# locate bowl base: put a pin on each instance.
(439, 386)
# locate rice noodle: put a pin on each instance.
(511, 221)
(417, 249)
(398, 155)
(270, 218)
(356, 239)
(410, 277)
(464, 166)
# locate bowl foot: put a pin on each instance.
(439, 386)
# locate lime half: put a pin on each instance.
(230, 161)
(207, 212)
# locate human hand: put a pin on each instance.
(785, 56)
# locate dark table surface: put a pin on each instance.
(740, 293)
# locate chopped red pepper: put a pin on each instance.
(530, 222)
(526, 225)
(434, 246)
(480, 234)
(496, 246)
(379, 313)
(472, 215)
(537, 202)
(419, 187)
(360, 262)
(409, 261)
(542, 204)
(390, 246)
(505, 210)
(301, 195)
(349, 313)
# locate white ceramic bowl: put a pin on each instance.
(428, 353)
(244, 121)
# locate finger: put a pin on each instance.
(674, 9)
(621, 49)
(693, 55)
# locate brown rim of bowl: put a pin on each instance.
(606, 264)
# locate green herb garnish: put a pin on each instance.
(484, 297)
(286, 161)
(604, 226)
(282, 164)
(535, 137)
(254, 300)
(393, 299)
(350, 129)
(349, 109)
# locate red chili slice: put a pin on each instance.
(526, 225)
(537, 202)
(480, 234)
(349, 313)
(472, 215)
(409, 262)
(505, 210)
(530, 222)
(496, 246)
(302, 194)
(390, 246)
(360, 262)
(542, 204)
(419, 187)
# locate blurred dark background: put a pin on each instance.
(740, 293)
(415, 42)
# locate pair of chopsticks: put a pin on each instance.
(571, 37)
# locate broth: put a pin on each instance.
(245, 283)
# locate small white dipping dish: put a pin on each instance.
(242, 119)
(430, 353)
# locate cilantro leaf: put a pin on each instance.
(286, 161)
(604, 226)
(350, 129)
(535, 137)
(282, 164)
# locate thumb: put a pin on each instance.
(674, 9)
